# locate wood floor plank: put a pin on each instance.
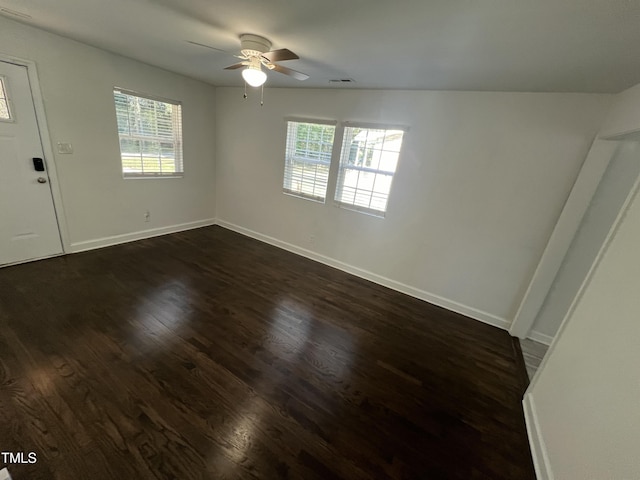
(209, 355)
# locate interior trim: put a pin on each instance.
(536, 442)
(139, 235)
(432, 298)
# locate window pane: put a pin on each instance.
(131, 155)
(168, 157)
(4, 109)
(151, 156)
(368, 161)
(150, 135)
(4, 102)
(382, 184)
(307, 159)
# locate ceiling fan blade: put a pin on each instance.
(235, 66)
(292, 73)
(209, 47)
(280, 55)
(217, 49)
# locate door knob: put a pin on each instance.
(42, 180)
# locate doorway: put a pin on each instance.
(29, 227)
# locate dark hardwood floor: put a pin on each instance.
(209, 355)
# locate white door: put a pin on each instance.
(28, 223)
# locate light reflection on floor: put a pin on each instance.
(300, 343)
(162, 313)
(303, 342)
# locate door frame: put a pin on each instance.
(45, 141)
(593, 168)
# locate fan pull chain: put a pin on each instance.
(245, 90)
(262, 95)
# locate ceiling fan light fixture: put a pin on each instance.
(256, 54)
(254, 75)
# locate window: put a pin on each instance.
(150, 131)
(5, 113)
(307, 159)
(368, 161)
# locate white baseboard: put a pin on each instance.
(540, 337)
(536, 442)
(131, 237)
(373, 277)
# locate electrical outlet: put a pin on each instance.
(147, 216)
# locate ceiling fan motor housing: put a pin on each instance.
(253, 45)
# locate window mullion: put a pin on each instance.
(334, 166)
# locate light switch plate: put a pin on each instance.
(65, 148)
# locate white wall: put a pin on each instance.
(582, 409)
(77, 85)
(615, 185)
(570, 252)
(481, 181)
(584, 412)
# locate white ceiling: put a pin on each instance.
(495, 45)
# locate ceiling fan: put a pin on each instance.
(256, 53)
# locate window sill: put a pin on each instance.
(365, 211)
(304, 197)
(150, 177)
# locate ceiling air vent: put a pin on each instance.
(342, 80)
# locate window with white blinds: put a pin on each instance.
(150, 131)
(368, 161)
(307, 159)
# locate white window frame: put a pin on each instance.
(291, 157)
(342, 167)
(176, 141)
